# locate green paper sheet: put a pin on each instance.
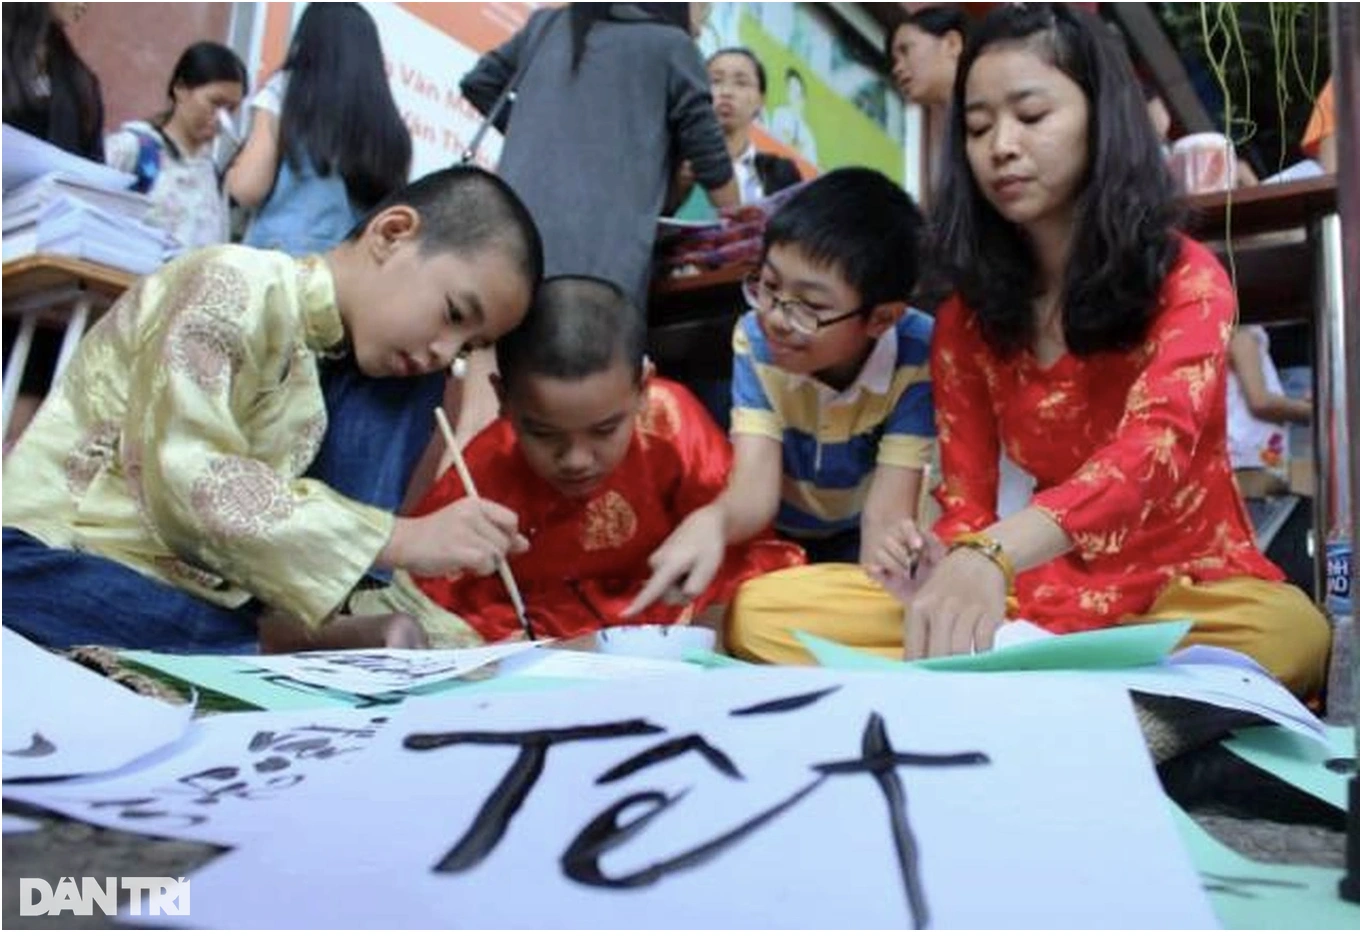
(1251, 895)
(1297, 760)
(231, 677)
(1103, 649)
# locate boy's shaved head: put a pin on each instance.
(576, 327)
(465, 209)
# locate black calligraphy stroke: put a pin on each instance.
(318, 746)
(879, 759)
(492, 821)
(210, 787)
(581, 860)
(39, 747)
(141, 808)
(672, 749)
(362, 700)
(1243, 886)
(787, 704)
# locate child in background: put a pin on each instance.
(1259, 414)
(1258, 441)
(171, 155)
(832, 418)
(600, 460)
(167, 497)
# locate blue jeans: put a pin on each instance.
(377, 431)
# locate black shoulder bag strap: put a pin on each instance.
(508, 93)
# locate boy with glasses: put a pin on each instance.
(832, 420)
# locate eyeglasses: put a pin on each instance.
(800, 317)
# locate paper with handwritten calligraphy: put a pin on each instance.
(384, 670)
(61, 719)
(226, 782)
(340, 679)
(750, 798)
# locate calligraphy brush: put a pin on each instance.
(502, 565)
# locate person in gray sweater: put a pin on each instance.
(612, 97)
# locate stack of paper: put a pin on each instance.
(27, 158)
(57, 203)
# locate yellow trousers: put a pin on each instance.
(1273, 622)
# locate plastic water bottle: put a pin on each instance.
(1339, 577)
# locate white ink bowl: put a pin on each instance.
(660, 642)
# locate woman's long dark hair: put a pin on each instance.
(584, 16)
(76, 109)
(1123, 245)
(338, 110)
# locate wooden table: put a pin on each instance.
(1267, 228)
(1260, 209)
(53, 290)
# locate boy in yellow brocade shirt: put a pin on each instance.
(161, 498)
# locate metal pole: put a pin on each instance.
(18, 361)
(1331, 501)
(1345, 22)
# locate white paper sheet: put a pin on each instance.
(384, 670)
(228, 781)
(582, 665)
(1048, 814)
(61, 719)
(27, 157)
(1216, 676)
(1224, 678)
(1019, 631)
(14, 825)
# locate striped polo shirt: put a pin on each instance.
(833, 440)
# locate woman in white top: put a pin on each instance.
(172, 155)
